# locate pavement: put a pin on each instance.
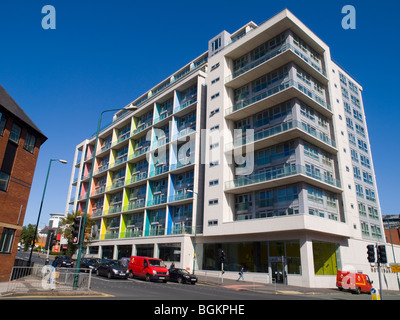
(213, 281)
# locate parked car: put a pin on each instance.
(125, 261)
(63, 262)
(148, 268)
(112, 269)
(182, 276)
(89, 264)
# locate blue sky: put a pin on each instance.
(104, 54)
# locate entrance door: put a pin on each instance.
(277, 272)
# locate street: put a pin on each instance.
(137, 289)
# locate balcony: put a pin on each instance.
(136, 177)
(273, 60)
(117, 183)
(157, 200)
(281, 176)
(278, 94)
(186, 103)
(284, 132)
(142, 126)
(121, 138)
(181, 196)
(114, 208)
(158, 170)
(135, 204)
(132, 234)
(97, 212)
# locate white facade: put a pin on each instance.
(294, 199)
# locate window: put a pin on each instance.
(3, 121)
(213, 182)
(212, 223)
(215, 96)
(6, 240)
(370, 195)
(215, 66)
(4, 178)
(367, 178)
(215, 80)
(354, 155)
(214, 163)
(214, 145)
(214, 128)
(362, 145)
(212, 202)
(30, 141)
(365, 161)
(15, 133)
(357, 173)
(359, 190)
(213, 112)
(216, 44)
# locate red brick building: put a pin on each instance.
(20, 141)
(391, 224)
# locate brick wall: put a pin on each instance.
(14, 201)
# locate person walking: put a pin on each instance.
(241, 274)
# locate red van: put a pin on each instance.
(357, 282)
(148, 268)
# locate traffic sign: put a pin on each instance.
(375, 294)
(395, 267)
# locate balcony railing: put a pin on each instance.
(181, 196)
(277, 173)
(268, 56)
(158, 170)
(283, 127)
(279, 88)
(186, 104)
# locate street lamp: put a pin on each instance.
(41, 205)
(195, 231)
(82, 232)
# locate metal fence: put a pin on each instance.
(46, 277)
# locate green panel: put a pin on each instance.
(325, 262)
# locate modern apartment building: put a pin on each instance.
(281, 179)
(20, 142)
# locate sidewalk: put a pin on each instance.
(275, 288)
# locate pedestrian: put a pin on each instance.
(241, 274)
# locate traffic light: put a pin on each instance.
(382, 254)
(371, 253)
(76, 230)
(49, 240)
(221, 255)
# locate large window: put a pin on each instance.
(170, 251)
(6, 240)
(4, 178)
(3, 120)
(15, 133)
(253, 256)
(30, 141)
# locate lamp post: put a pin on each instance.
(41, 205)
(195, 231)
(82, 232)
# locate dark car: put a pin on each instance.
(63, 262)
(182, 276)
(112, 269)
(89, 264)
